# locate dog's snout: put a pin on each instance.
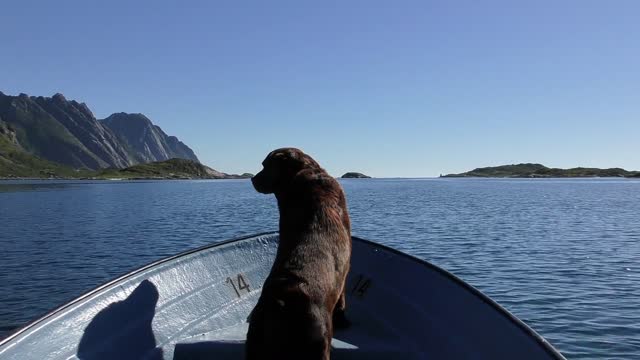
(258, 182)
(255, 180)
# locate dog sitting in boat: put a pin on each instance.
(303, 298)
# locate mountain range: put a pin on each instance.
(65, 132)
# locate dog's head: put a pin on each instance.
(279, 169)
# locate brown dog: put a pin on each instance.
(303, 296)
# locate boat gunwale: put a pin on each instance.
(131, 273)
(492, 303)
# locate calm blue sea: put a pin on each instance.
(562, 255)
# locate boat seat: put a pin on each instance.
(353, 343)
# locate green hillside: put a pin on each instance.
(541, 171)
(169, 169)
(15, 162)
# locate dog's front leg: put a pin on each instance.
(340, 320)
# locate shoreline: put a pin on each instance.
(538, 177)
(349, 179)
(114, 179)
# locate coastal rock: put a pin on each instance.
(355, 175)
(8, 133)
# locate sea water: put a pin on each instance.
(562, 255)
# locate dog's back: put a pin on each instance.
(315, 233)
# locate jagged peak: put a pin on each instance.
(159, 129)
(128, 116)
(58, 97)
(84, 107)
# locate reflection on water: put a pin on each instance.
(560, 254)
(17, 187)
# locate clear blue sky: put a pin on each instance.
(395, 88)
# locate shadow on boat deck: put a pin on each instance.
(123, 330)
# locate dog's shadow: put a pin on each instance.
(123, 329)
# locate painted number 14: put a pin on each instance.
(239, 284)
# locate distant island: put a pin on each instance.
(541, 171)
(355, 175)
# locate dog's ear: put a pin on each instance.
(297, 159)
(277, 169)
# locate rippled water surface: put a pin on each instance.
(562, 255)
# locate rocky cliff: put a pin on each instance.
(146, 141)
